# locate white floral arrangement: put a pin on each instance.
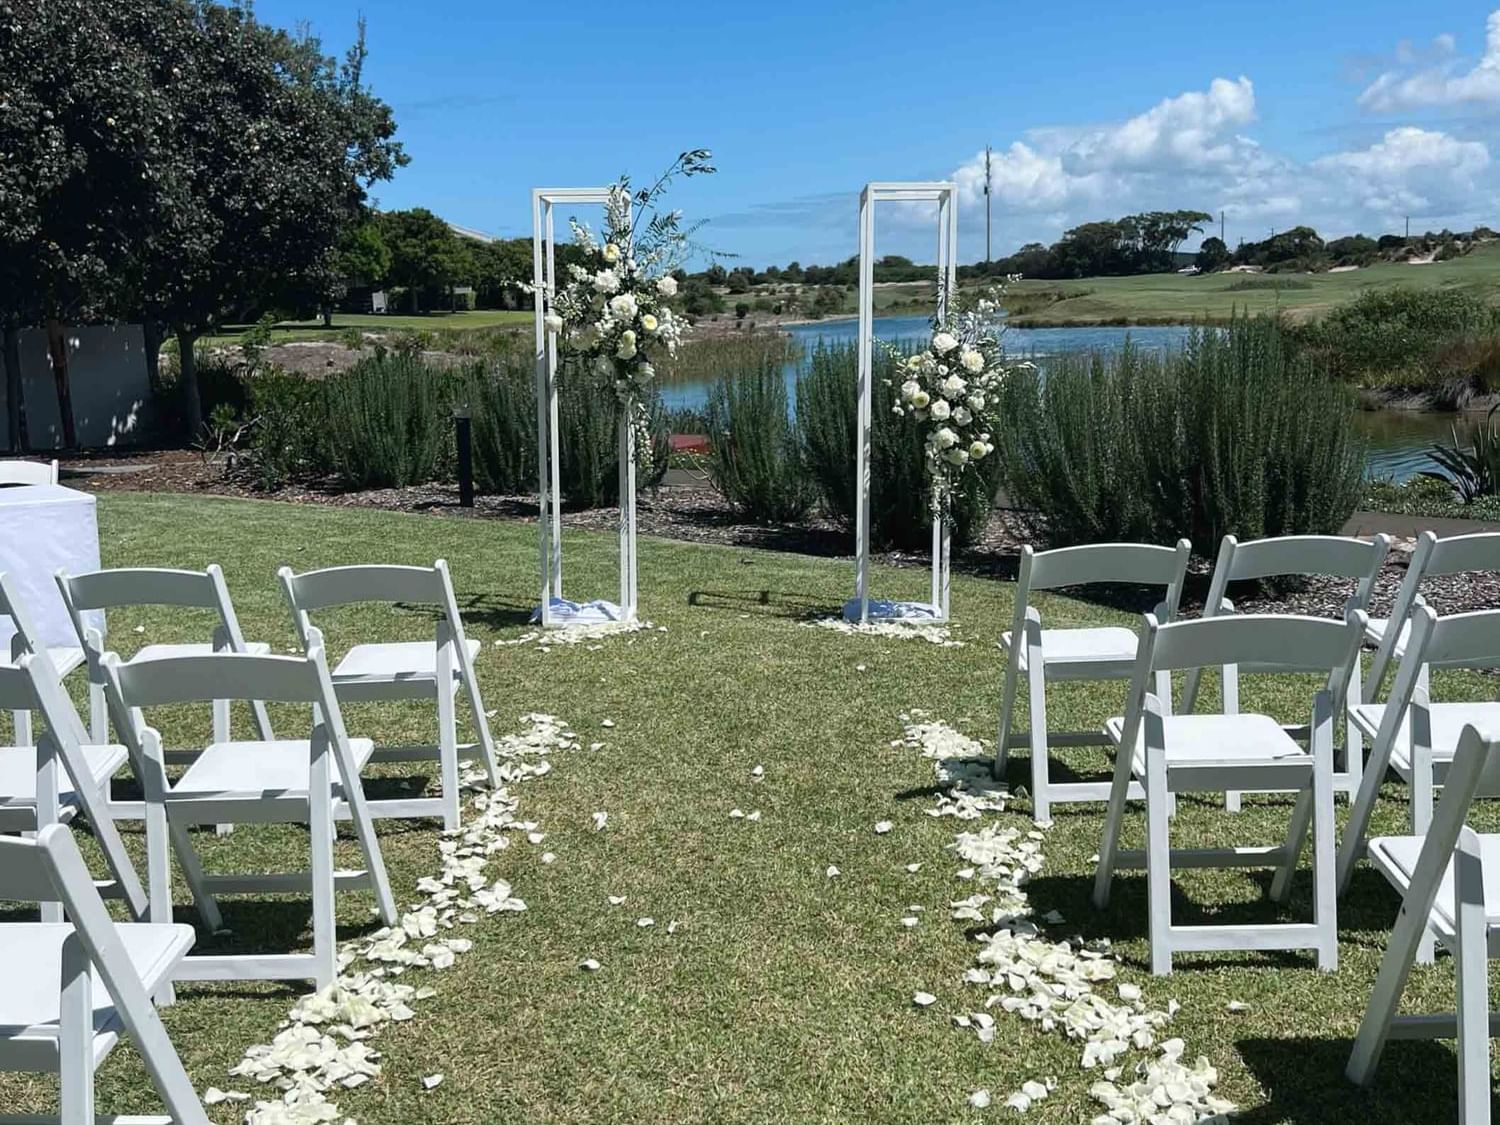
(951, 388)
(613, 309)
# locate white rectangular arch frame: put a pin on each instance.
(944, 194)
(554, 610)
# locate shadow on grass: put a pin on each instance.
(1304, 1082)
(770, 603)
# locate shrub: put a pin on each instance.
(1233, 433)
(588, 439)
(754, 460)
(1400, 336)
(289, 429)
(389, 422)
(827, 418)
(501, 398)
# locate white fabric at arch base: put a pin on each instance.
(565, 613)
(883, 609)
(45, 528)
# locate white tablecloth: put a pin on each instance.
(45, 528)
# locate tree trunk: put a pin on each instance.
(57, 345)
(414, 308)
(187, 368)
(15, 402)
(152, 333)
(327, 316)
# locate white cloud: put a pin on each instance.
(1443, 84)
(1409, 170)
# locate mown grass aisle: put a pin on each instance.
(784, 994)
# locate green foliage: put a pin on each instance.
(1473, 470)
(289, 436)
(588, 438)
(1444, 340)
(1426, 496)
(755, 459)
(827, 419)
(389, 422)
(426, 256)
(501, 398)
(1234, 433)
(1213, 255)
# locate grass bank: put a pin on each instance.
(784, 995)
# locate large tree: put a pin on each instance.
(273, 146)
(82, 124)
(425, 252)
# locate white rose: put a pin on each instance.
(626, 349)
(956, 456)
(611, 253)
(953, 386)
(962, 416)
(607, 281)
(920, 400)
(943, 343)
(946, 438)
(973, 361)
(979, 450)
(553, 323)
(940, 410)
(623, 307)
(649, 322)
(667, 286)
(976, 402)
(909, 390)
(916, 362)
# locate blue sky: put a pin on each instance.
(1344, 114)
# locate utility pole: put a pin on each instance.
(1408, 228)
(987, 182)
(1221, 228)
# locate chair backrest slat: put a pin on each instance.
(28, 472)
(110, 589)
(1454, 554)
(1289, 641)
(1136, 563)
(24, 874)
(346, 585)
(223, 675)
(1336, 556)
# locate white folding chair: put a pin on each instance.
(1432, 558)
(25, 640)
(1217, 753)
(1447, 880)
(288, 781)
(55, 777)
(28, 472)
(1295, 556)
(1412, 735)
(405, 670)
(70, 990)
(1079, 654)
(154, 586)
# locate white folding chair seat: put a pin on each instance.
(405, 670)
(1213, 740)
(30, 1004)
(1173, 754)
(1449, 881)
(1091, 653)
(153, 652)
(1447, 724)
(271, 772)
(1088, 653)
(308, 781)
(18, 783)
(70, 991)
(396, 662)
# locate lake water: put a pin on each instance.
(1398, 438)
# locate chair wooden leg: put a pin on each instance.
(1007, 708)
(75, 1046)
(1352, 843)
(321, 833)
(21, 727)
(1041, 808)
(1325, 898)
(1114, 815)
(1158, 864)
(1303, 814)
(98, 715)
(1473, 983)
(481, 724)
(448, 757)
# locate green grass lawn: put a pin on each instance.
(784, 996)
(1174, 298)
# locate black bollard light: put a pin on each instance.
(465, 446)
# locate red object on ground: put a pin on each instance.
(689, 443)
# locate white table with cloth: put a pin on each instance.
(45, 528)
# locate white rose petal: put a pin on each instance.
(923, 999)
